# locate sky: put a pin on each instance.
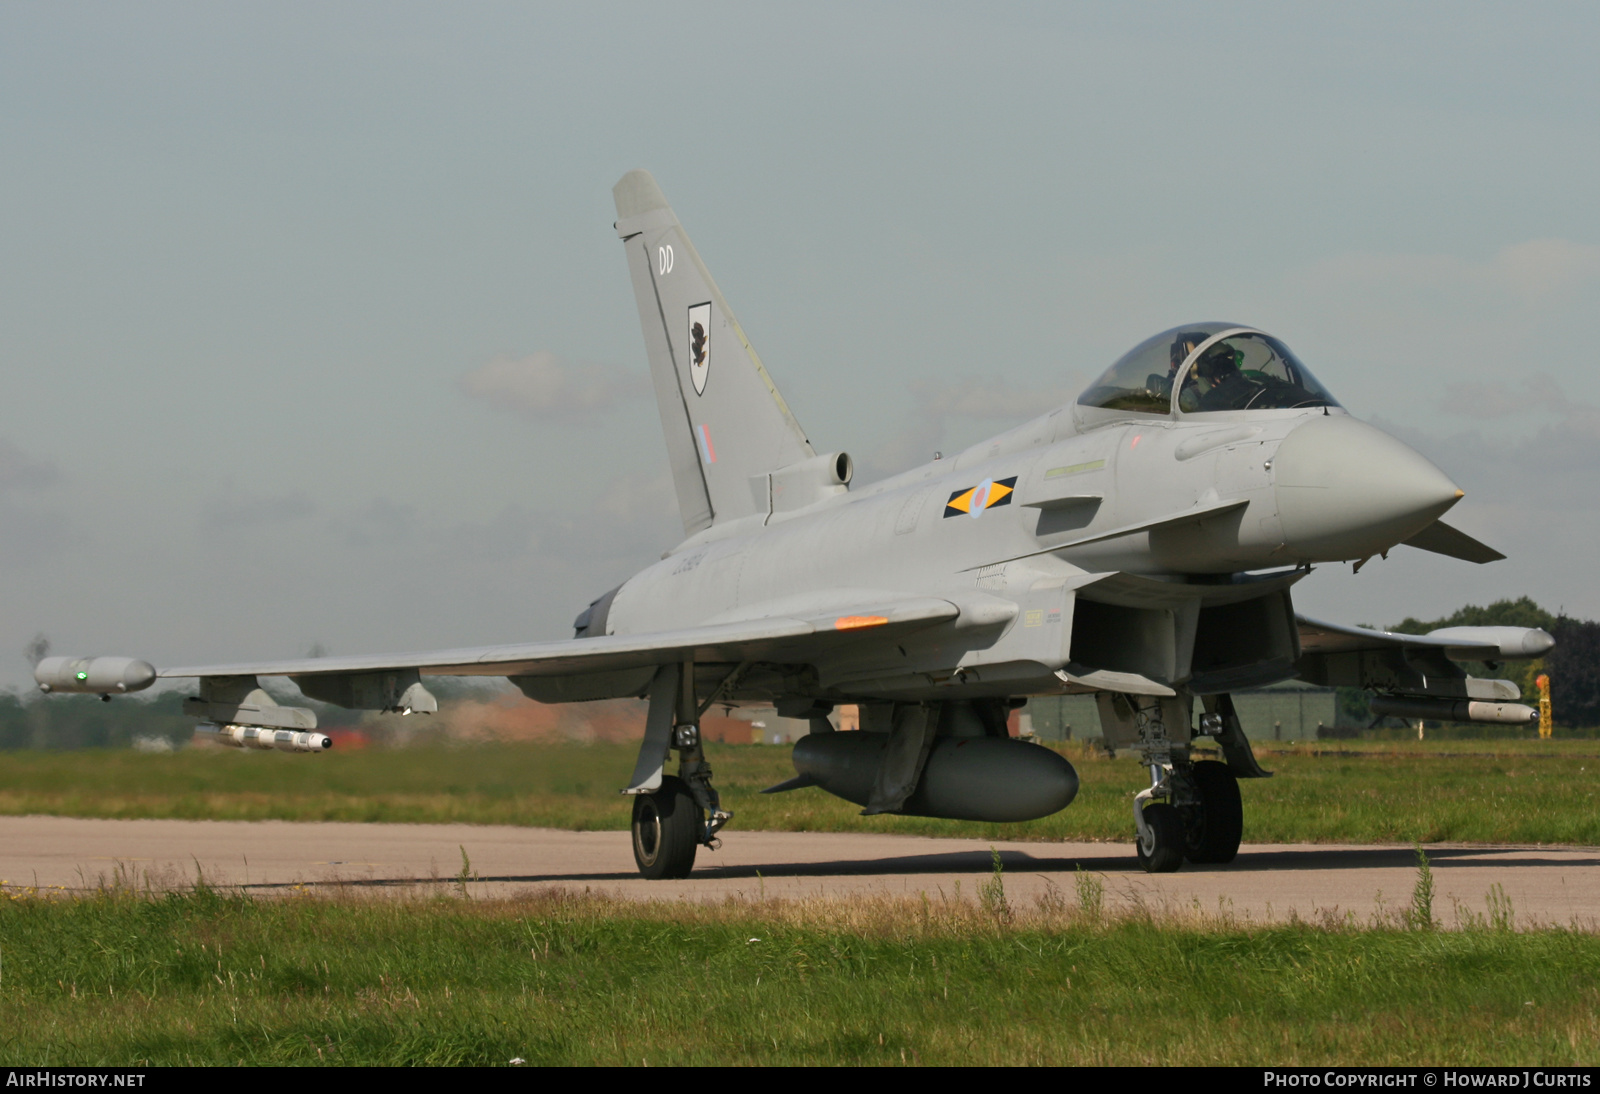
(315, 332)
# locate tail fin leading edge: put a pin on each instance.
(724, 420)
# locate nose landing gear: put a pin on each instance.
(1192, 810)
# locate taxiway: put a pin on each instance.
(1267, 882)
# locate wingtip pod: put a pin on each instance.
(93, 675)
(1515, 643)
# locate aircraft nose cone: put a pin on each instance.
(1346, 490)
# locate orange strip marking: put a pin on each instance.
(852, 622)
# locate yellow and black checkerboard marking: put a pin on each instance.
(975, 499)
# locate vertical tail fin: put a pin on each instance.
(724, 419)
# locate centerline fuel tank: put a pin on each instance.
(965, 778)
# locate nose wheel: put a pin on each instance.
(1214, 826)
(1161, 840)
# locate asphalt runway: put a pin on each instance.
(1267, 882)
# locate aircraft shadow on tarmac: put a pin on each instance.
(979, 862)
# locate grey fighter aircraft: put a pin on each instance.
(1140, 544)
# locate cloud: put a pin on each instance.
(1544, 269)
(625, 522)
(942, 411)
(1487, 399)
(638, 500)
(18, 470)
(237, 512)
(544, 387)
(986, 399)
(1553, 471)
(30, 533)
(1535, 495)
(380, 521)
(1537, 272)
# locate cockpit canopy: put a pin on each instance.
(1214, 367)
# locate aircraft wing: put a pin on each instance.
(1417, 675)
(1456, 643)
(233, 707)
(715, 643)
(794, 635)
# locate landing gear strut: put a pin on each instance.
(695, 773)
(673, 815)
(1161, 829)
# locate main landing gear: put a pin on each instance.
(1192, 810)
(673, 816)
(670, 825)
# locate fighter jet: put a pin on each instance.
(1140, 544)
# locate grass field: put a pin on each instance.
(209, 978)
(1471, 791)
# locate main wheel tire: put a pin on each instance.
(1215, 828)
(1161, 845)
(667, 827)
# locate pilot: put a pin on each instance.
(1223, 386)
(1182, 346)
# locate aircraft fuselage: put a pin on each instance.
(1009, 530)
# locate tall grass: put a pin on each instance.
(210, 978)
(1420, 915)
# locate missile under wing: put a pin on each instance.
(1140, 544)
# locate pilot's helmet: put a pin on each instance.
(1217, 362)
(1184, 344)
